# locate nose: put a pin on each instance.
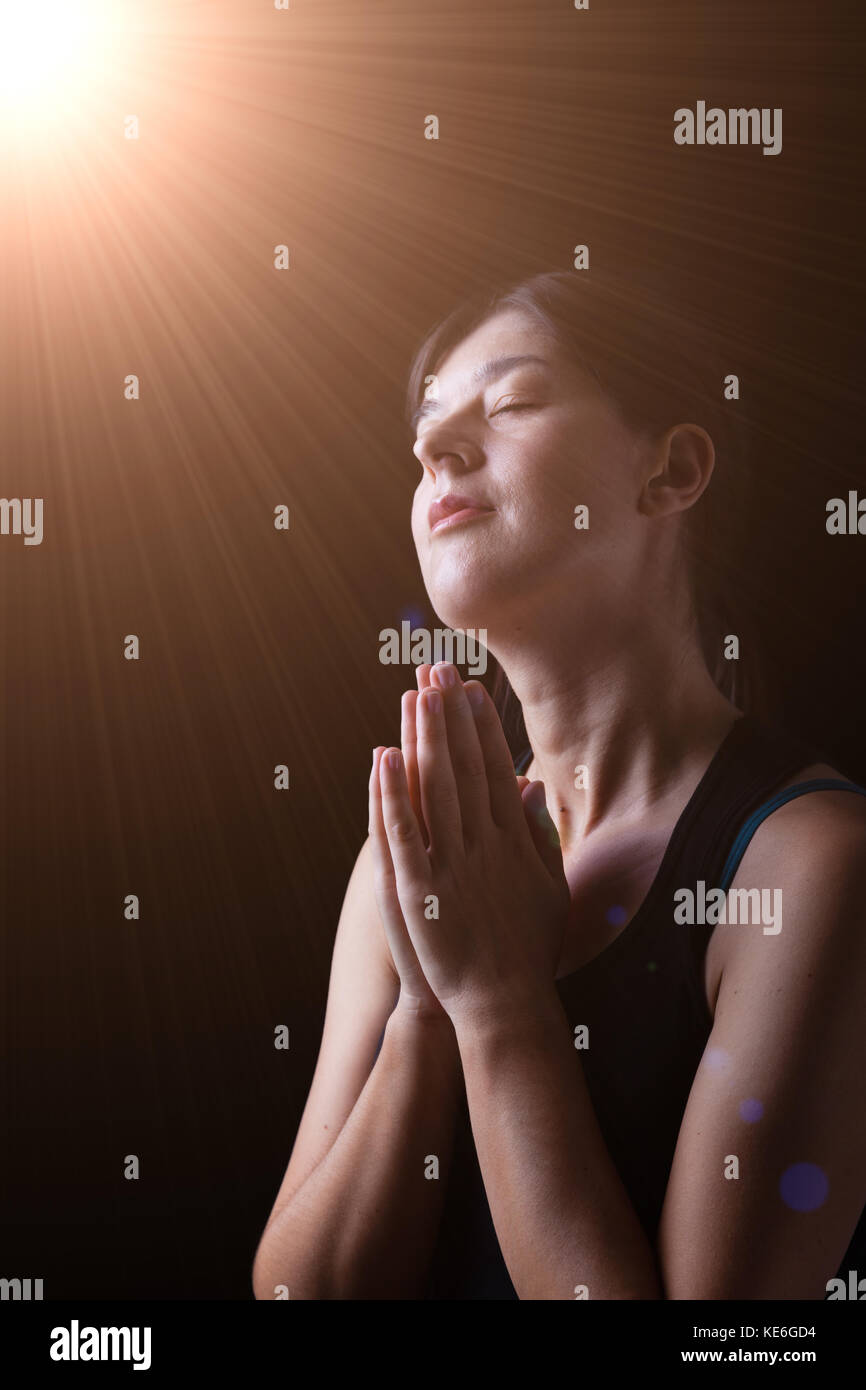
(443, 449)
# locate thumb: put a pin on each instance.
(541, 827)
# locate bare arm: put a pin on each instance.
(788, 1031)
(563, 1219)
(355, 1216)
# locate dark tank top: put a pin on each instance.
(644, 1003)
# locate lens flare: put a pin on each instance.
(51, 53)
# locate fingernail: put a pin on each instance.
(474, 694)
(433, 701)
(447, 673)
(394, 761)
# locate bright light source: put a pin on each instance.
(50, 53)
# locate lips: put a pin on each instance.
(453, 505)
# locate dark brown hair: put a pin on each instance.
(655, 362)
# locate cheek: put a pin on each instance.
(579, 468)
(543, 493)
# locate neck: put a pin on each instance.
(630, 720)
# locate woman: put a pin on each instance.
(547, 1070)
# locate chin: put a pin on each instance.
(462, 609)
(458, 619)
(475, 586)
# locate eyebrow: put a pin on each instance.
(488, 371)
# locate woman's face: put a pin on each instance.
(519, 431)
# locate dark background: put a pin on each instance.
(260, 647)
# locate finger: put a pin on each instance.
(385, 879)
(503, 788)
(408, 853)
(422, 675)
(408, 740)
(522, 782)
(467, 758)
(439, 798)
(545, 835)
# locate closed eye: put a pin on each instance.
(516, 405)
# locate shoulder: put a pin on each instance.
(818, 827)
(808, 857)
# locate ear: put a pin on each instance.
(683, 465)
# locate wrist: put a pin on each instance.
(425, 1034)
(424, 1006)
(511, 1014)
(412, 1015)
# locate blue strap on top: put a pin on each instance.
(818, 784)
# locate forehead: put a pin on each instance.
(509, 333)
